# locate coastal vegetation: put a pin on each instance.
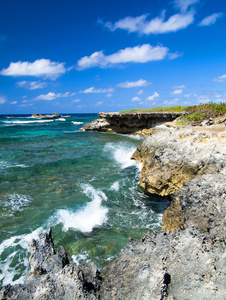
(192, 114)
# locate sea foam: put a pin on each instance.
(85, 219)
(122, 154)
(15, 248)
(77, 123)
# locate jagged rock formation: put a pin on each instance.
(52, 277)
(133, 123)
(53, 116)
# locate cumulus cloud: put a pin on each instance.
(136, 99)
(39, 68)
(177, 92)
(220, 78)
(31, 85)
(137, 54)
(108, 95)
(210, 19)
(92, 90)
(155, 95)
(131, 84)
(13, 102)
(2, 99)
(158, 25)
(51, 96)
(184, 5)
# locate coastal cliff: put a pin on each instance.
(130, 123)
(186, 260)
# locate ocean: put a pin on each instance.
(82, 184)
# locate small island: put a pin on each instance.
(53, 116)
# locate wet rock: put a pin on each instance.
(52, 277)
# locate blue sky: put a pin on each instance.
(88, 56)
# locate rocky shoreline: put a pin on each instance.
(186, 260)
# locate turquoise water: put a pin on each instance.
(82, 184)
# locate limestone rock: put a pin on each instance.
(172, 156)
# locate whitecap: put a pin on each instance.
(26, 122)
(115, 186)
(61, 119)
(77, 123)
(85, 219)
(18, 248)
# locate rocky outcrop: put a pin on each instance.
(53, 116)
(130, 123)
(172, 156)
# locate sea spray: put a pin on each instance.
(91, 215)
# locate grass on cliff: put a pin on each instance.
(193, 114)
(177, 108)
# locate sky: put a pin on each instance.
(70, 56)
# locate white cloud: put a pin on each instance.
(136, 99)
(157, 25)
(179, 86)
(140, 92)
(204, 99)
(75, 101)
(92, 90)
(155, 95)
(2, 99)
(220, 78)
(210, 19)
(31, 85)
(108, 95)
(172, 102)
(137, 54)
(51, 96)
(177, 92)
(175, 55)
(131, 84)
(187, 95)
(39, 68)
(13, 102)
(183, 5)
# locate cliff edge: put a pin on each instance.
(130, 123)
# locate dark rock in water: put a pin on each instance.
(53, 116)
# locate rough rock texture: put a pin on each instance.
(172, 156)
(52, 277)
(188, 264)
(133, 123)
(53, 116)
